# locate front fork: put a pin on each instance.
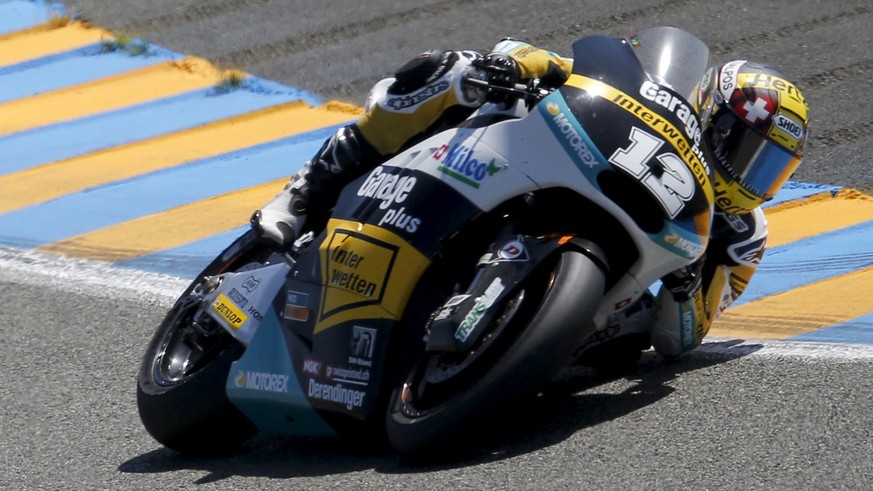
(460, 321)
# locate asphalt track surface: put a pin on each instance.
(738, 415)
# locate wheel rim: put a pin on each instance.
(439, 377)
(185, 349)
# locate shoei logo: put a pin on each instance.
(788, 125)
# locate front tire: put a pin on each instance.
(181, 393)
(448, 396)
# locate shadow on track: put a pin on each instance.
(568, 406)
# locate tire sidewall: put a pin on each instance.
(560, 324)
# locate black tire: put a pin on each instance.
(184, 406)
(547, 319)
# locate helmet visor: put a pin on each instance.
(759, 164)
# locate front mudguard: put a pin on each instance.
(458, 324)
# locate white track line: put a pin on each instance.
(91, 277)
(102, 279)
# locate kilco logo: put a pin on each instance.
(460, 163)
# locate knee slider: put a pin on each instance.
(422, 70)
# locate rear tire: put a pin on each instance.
(446, 398)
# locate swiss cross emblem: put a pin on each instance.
(756, 107)
(756, 111)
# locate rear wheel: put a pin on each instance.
(448, 395)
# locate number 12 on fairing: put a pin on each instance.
(673, 187)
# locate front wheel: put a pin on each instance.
(448, 395)
(181, 393)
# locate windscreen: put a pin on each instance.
(672, 57)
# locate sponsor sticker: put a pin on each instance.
(366, 271)
(513, 251)
(354, 376)
(570, 134)
(387, 187)
(363, 342)
(461, 163)
(226, 309)
(449, 307)
(262, 381)
(687, 247)
(312, 367)
(336, 393)
(482, 304)
(357, 270)
(403, 102)
(251, 284)
(296, 306)
(237, 297)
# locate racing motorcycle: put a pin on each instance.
(458, 277)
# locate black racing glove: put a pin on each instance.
(497, 69)
(683, 282)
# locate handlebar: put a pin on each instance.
(530, 92)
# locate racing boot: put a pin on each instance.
(309, 195)
(617, 348)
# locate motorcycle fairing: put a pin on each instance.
(341, 300)
(242, 298)
(368, 272)
(264, 385)
(417, 207)
(658, 154)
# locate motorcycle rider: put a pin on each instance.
(754, 120)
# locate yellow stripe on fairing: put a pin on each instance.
(35, 43)
(796, 220)
(172, 228)
(50, 181)
(107, 94)
(801, 310)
